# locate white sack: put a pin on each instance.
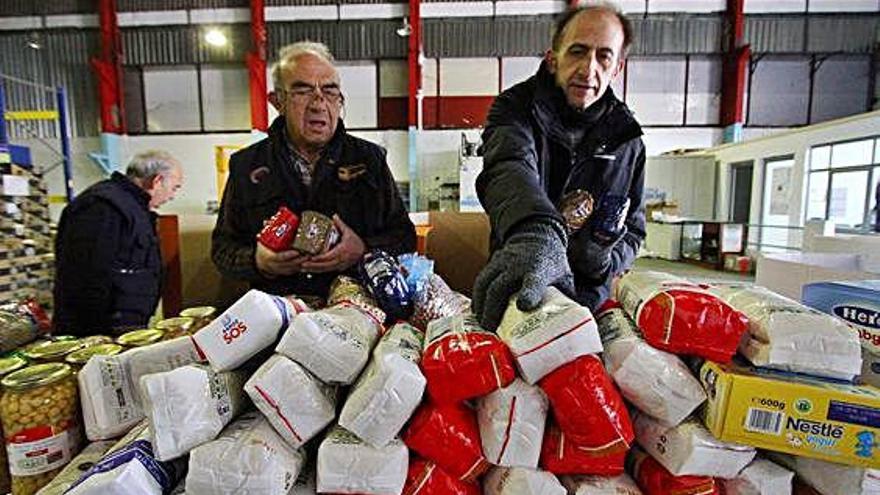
(295, 402)
(656, 382)
(247, 457)
(832, 479)
(190, 406)
(348, 465)
(761, 477)
(389, 389)
(334, 343)
(159, 358)
(689, 448)
(513, 440)
(71, 473)
(556, 333)
(521, 481)
(246, 328)
(600, 485)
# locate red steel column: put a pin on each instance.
(108, 68)
(256, 63)
(734, 70)
(415, 66)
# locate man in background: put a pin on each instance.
(108, 268)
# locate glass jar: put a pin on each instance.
(176, 327)
(139, 338)
(39, 410)
(8, 364)
(79, 358)
(202, 315)
(95, 340)
(52, 351)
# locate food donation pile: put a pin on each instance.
(392, 387)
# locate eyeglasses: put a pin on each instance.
(306, 92)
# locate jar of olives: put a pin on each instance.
(140, 338)
(176, 327)
(38, 410)
(202, 315)
(52, 351)
(95, 340)
(79, 358)
(8, 364)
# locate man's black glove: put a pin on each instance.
(532, 258)
(590, 248)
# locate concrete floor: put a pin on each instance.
(687, 270)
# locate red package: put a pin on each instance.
(586, 405)
(449, 436)
(462, 361)
(426, 478)
(680, 317)
(278, 233)
(654, 479)
(561, 455)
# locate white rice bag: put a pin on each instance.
(246, 328)
(556, 333)
(389, 389)
(131, 468)
(110, 385)
(348, 465)
(248, 457)
(512, 423)
(761, 477)
(110, 406)
(521, 481)
(832, 479)
(333, 343)
(190, 406)
(784, 334)
(600, 485)
(689, 448)
(295, 402)
(656, 382)
(71, 473)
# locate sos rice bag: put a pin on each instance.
(389, 389)
(512, 423)
(427, 478)
(250, 325)
(462, 361)
(555, 333)
(656, 382)
(681, 317)
(449, 436)
(348, 465)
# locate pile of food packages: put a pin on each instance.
(390, 386)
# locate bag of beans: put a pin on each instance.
(448, 435)
(512, 423)
(348, 465)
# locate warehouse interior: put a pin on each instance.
(761, 143)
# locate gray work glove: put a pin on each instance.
(590, 248)
(532, 259)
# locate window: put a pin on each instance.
(226, 99)
(779, 92)
(775, 213)
(359, 85)
(655, 89)
(840, 87)
(843, 183)
(704, 91)
(171, 99)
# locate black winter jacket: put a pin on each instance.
(107, 261)
(261, 180)
(530, 163)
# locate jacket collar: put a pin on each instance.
(616, 125)
(331, 154)
(130, 187)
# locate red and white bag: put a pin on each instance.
(587, 406)
(681, 317)
(512, 423)
(562, 455)
(427, 478)
(555, 333)
(449, 436)
(462, 361)
(600, 485)
(521, 481)
(654, 479)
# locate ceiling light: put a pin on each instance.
(34, 41)
(405, 29)
(215, 37)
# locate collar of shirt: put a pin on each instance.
(302, 166)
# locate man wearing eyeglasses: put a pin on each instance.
(308, 162)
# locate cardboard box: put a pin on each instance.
(787, 273)
(790, 413)
(459, 245)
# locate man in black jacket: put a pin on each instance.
(308, 162)
(107, 262)
(556, 148)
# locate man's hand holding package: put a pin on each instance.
(282, 263)
(531, 259)
(340, 257)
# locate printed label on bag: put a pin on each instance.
(37, 450)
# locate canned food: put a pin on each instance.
(52, 351)
(79, 358)
(279, 231)
(316, 233)
(201, 315)
(139, 338)
(39, 410)
(175, 327)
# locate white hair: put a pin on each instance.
(287, 54)
(151, 163)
